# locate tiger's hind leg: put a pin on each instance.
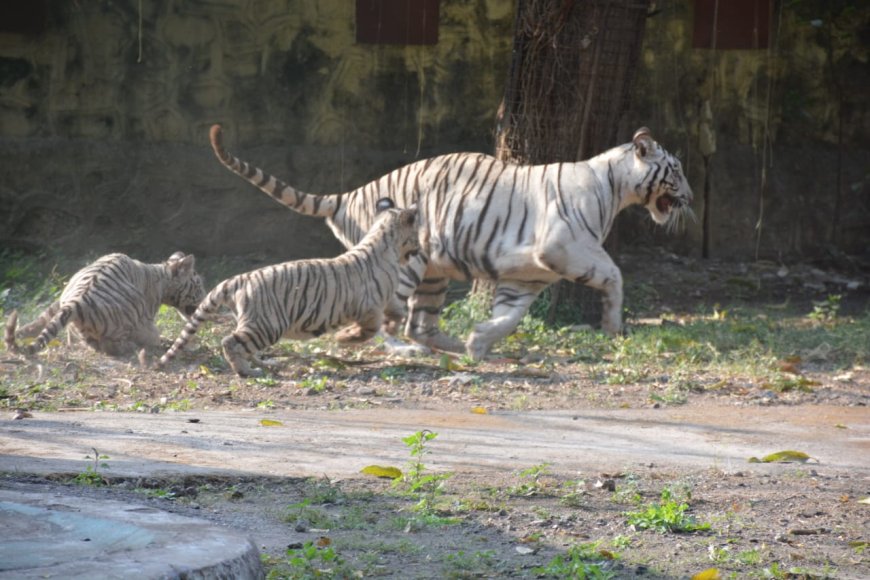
(425, 312)
(239, 352)
(510, 303)
(364, 329)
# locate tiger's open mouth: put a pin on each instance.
(665, 202)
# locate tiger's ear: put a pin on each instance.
(181, 266)
(384, 204)
(644, 144)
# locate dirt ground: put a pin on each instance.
(782, 520)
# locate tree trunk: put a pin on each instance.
(569, 84)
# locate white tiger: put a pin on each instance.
(523, 226)
(307, 298)
(113, 302)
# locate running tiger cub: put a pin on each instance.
(113, 302)
(523, 226)
(307, 298)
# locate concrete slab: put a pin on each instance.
(56, 536)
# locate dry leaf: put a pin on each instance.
(864, 500)
(385, 472)
(323, 542)
(479, 410)
(271, 423)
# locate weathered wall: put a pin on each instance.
(105, 150)
(765, 116)
(102, 152)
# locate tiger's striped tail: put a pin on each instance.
(323, 206)
(210, 305)
(57, 323)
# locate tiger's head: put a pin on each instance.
(185, 289)
(663, 189)
(406, 227)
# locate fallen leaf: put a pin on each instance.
(840, 426)
(385, 472)
(708, 574)
(864, 500)
(479, 410)
(323, 541)
(606, 554)
(205, 370)
(271, 423)
(785, 457)
(524, 550)
(859, 544)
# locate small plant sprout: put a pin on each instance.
(91, 475)
(426, 487)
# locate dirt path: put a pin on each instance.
(339, 444)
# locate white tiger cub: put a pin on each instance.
(522, 226)
(113, 302)
(307, 298)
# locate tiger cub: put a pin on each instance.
(113, 303)
(307, 298)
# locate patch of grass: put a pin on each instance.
(580, 562)
(301, 513)
(311, 561)
(532, 484)
(480, 564)
(667, 515)
(91, 476)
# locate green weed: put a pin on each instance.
(311, 561)
(667, 515)
(425, 487)
(91, 476)
(533, 484)
(580, 562)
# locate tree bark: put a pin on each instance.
(569, 84)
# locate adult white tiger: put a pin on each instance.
(523, 226)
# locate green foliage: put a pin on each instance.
(311, 561)
(668, 515)
(425, 487)
(303, 512)
(480, 564)
(393, 374)
(27, 283)
(826, 310)
(533, 484)
(91, 476)
(459, 318)
(316, 384)
(580, 562)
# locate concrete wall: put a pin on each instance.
(104, 147)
